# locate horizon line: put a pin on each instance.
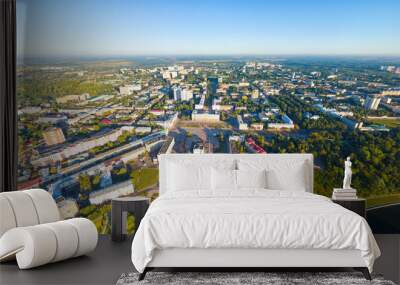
(205, 55)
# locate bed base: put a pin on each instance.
(143, 274)
(250, 259)
(363, 270)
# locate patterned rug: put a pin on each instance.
(243, 278)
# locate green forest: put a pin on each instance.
(376, 160)
(375, 155)
(32, 91)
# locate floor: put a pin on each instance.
(110, 260)
(103, 266)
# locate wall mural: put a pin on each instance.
(92, 124)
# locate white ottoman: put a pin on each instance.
(37, 245)
(32, 233)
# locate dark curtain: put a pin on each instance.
(8, 107)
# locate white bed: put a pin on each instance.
(217, 224)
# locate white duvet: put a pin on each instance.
(250, 219)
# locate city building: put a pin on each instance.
(287, 120)
(257, 126)
(264, 116)
(129, 89)
(53, 136)
(393, 107)
(387, 100)
(222, 107)
(143, 130)
(186, 94)
(53, 119)
(70, 150)
(166, 75)
(331, 112)
(235, 141)
(255, 94)
(372, 103)
(284, 123)
(28, 184)
(101, 98)
(280, 126)
(273, 91)
(205, 116)
(68, 208)
(106, 178)
(241, 124)
(106, 121)
(236, 138)
(198, 148)
(241, 108)
(106, 194)
(200, 106)
(72, 98)
(374, 128)
(30, 110)
(391, 92)
(167, 121)
(157, 112)
(167, 146)
(177, 93)
(253, 147)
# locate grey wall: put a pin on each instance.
(389, 262)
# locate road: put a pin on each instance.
(384, 219)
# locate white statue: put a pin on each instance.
(347, 174)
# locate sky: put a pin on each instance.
(51, 28)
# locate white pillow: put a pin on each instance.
(223, 179)
(186, 177)
(194, 174)
(293, 180)
(251, 178)
(282, 174)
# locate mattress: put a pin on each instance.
(250, 219)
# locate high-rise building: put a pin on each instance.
(200, 106)
(372, 103)
(186, 94)
(177, 92)
(53, 136)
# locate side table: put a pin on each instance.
(358, 205)
(119, 209)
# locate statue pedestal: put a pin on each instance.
(344, 194)
(344, 190)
